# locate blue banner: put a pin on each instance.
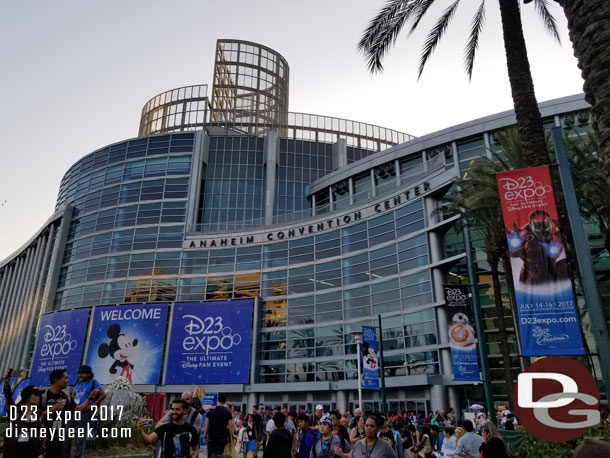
(370, 362)
(61, 339)
(210, 342)
(128, 341)
(548, 315)
(210, 400)
(19, 388)
(3, 400)
(462, 337)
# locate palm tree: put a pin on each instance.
(384, 28)
(592, 187)
(588, 22)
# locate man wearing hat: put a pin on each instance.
(317, 416)
(89, 390)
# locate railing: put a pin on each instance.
(187, 108)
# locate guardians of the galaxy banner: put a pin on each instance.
(548, 317)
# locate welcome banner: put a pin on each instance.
(128, 340)
(370, 361)
(61, 339)
(210, 342)
(462, 336)
(548, 317)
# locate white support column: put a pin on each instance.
(57, 246)
(438, 397)
(342, 403)
(35, 294)
(271, 149)
(12, 302)
(252, 401)
(339, 154)
(4, 303)
(454, 400)
(21, 310)
(397, 170)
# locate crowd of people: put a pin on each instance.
(277, 432)
(280, 433)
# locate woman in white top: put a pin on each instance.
(448, 448)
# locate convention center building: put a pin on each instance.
(322, 224)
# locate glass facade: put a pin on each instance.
(234, 180)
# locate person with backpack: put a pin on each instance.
(307, 436)
(329, 445)
(338, 428)
(279, 443)
(83, 390)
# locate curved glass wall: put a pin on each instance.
(129, 197)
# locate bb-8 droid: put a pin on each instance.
(461, 333)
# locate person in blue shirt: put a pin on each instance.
(468, 445)
(87, 388)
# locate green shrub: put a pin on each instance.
(532, 447)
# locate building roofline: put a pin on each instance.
(447, 135)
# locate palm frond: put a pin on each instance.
(436, 34)
(550, 24)
(420, 11)
(383, 31)
(473, 41)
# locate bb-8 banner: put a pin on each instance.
(548, 317)
(462, 337)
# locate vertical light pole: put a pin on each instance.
(383, 401)
(585, 265)
(358, 340)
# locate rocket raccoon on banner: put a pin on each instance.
(548, 318)
(462, 338)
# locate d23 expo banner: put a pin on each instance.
(210, 342)
(61, 339)
(370, 361)
(462, 337)
(3, 400)
(127, 340)
(548, 317)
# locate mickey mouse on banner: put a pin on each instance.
(119, 348)
(369, 357)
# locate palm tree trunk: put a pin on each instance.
(504, 349)
(529, 121)
(589, 25)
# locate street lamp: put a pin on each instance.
(358, 340)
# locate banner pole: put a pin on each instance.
(585, 265)
(482, 344)
(358, 358)
(383, 400)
